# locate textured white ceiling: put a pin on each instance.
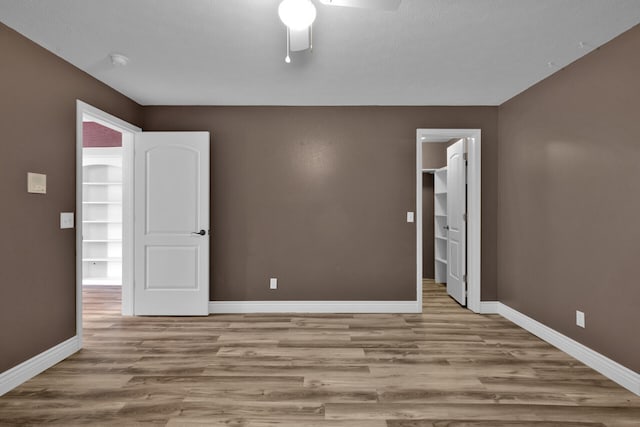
(231, 52)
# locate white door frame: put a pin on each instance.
(473, 207)
(128, 131)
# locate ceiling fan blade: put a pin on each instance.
(365, 4)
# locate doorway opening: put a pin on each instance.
(102, 191)
(448, 212)
(102, 203)
(171, 227)
(104, 198)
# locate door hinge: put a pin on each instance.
(464, 217)
(465, 156)
(464, 278)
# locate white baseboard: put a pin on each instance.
(489, 307)
(230, 307)
(30, 368)
(607, 367)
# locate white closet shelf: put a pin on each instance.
(103, 183)
(88, 281)
(102, 216)
(102, 203)
(440, 219)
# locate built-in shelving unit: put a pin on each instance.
(102, 216)
(440, 224)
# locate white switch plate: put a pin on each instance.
(66, 219)
(273, 283)
(409, 216)
(580, 318)
(36, 183)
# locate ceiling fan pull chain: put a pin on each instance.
(287, 58)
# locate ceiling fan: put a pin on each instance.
(298, 17)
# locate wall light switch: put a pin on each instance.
(580, 318)
(273, 283)
(36, 183)
(66, 219)
(409, 216)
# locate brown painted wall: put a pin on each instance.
(428, 249)
(317, 196)
(434, 155)
(38, 121)
(568, 200)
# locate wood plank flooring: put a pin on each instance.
(445, 367)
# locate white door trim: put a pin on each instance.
(235, 307)
(473, 207)
(128, 130)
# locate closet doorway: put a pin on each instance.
(169, 235)
(104, 201)
(448, 212)
(102, 214)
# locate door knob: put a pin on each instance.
(201, 232)
(446, 227)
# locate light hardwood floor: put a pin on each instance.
(445, 367)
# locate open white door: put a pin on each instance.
(456, 217)
(171, 223)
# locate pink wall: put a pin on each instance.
(96, 135)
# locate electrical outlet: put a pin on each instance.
(409, 216)
(273, 283)
(580, 318)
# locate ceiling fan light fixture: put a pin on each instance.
(297, 14)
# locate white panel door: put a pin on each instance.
(171, 223)
(456, 217)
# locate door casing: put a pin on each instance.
(128, 134)
(473, 208)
